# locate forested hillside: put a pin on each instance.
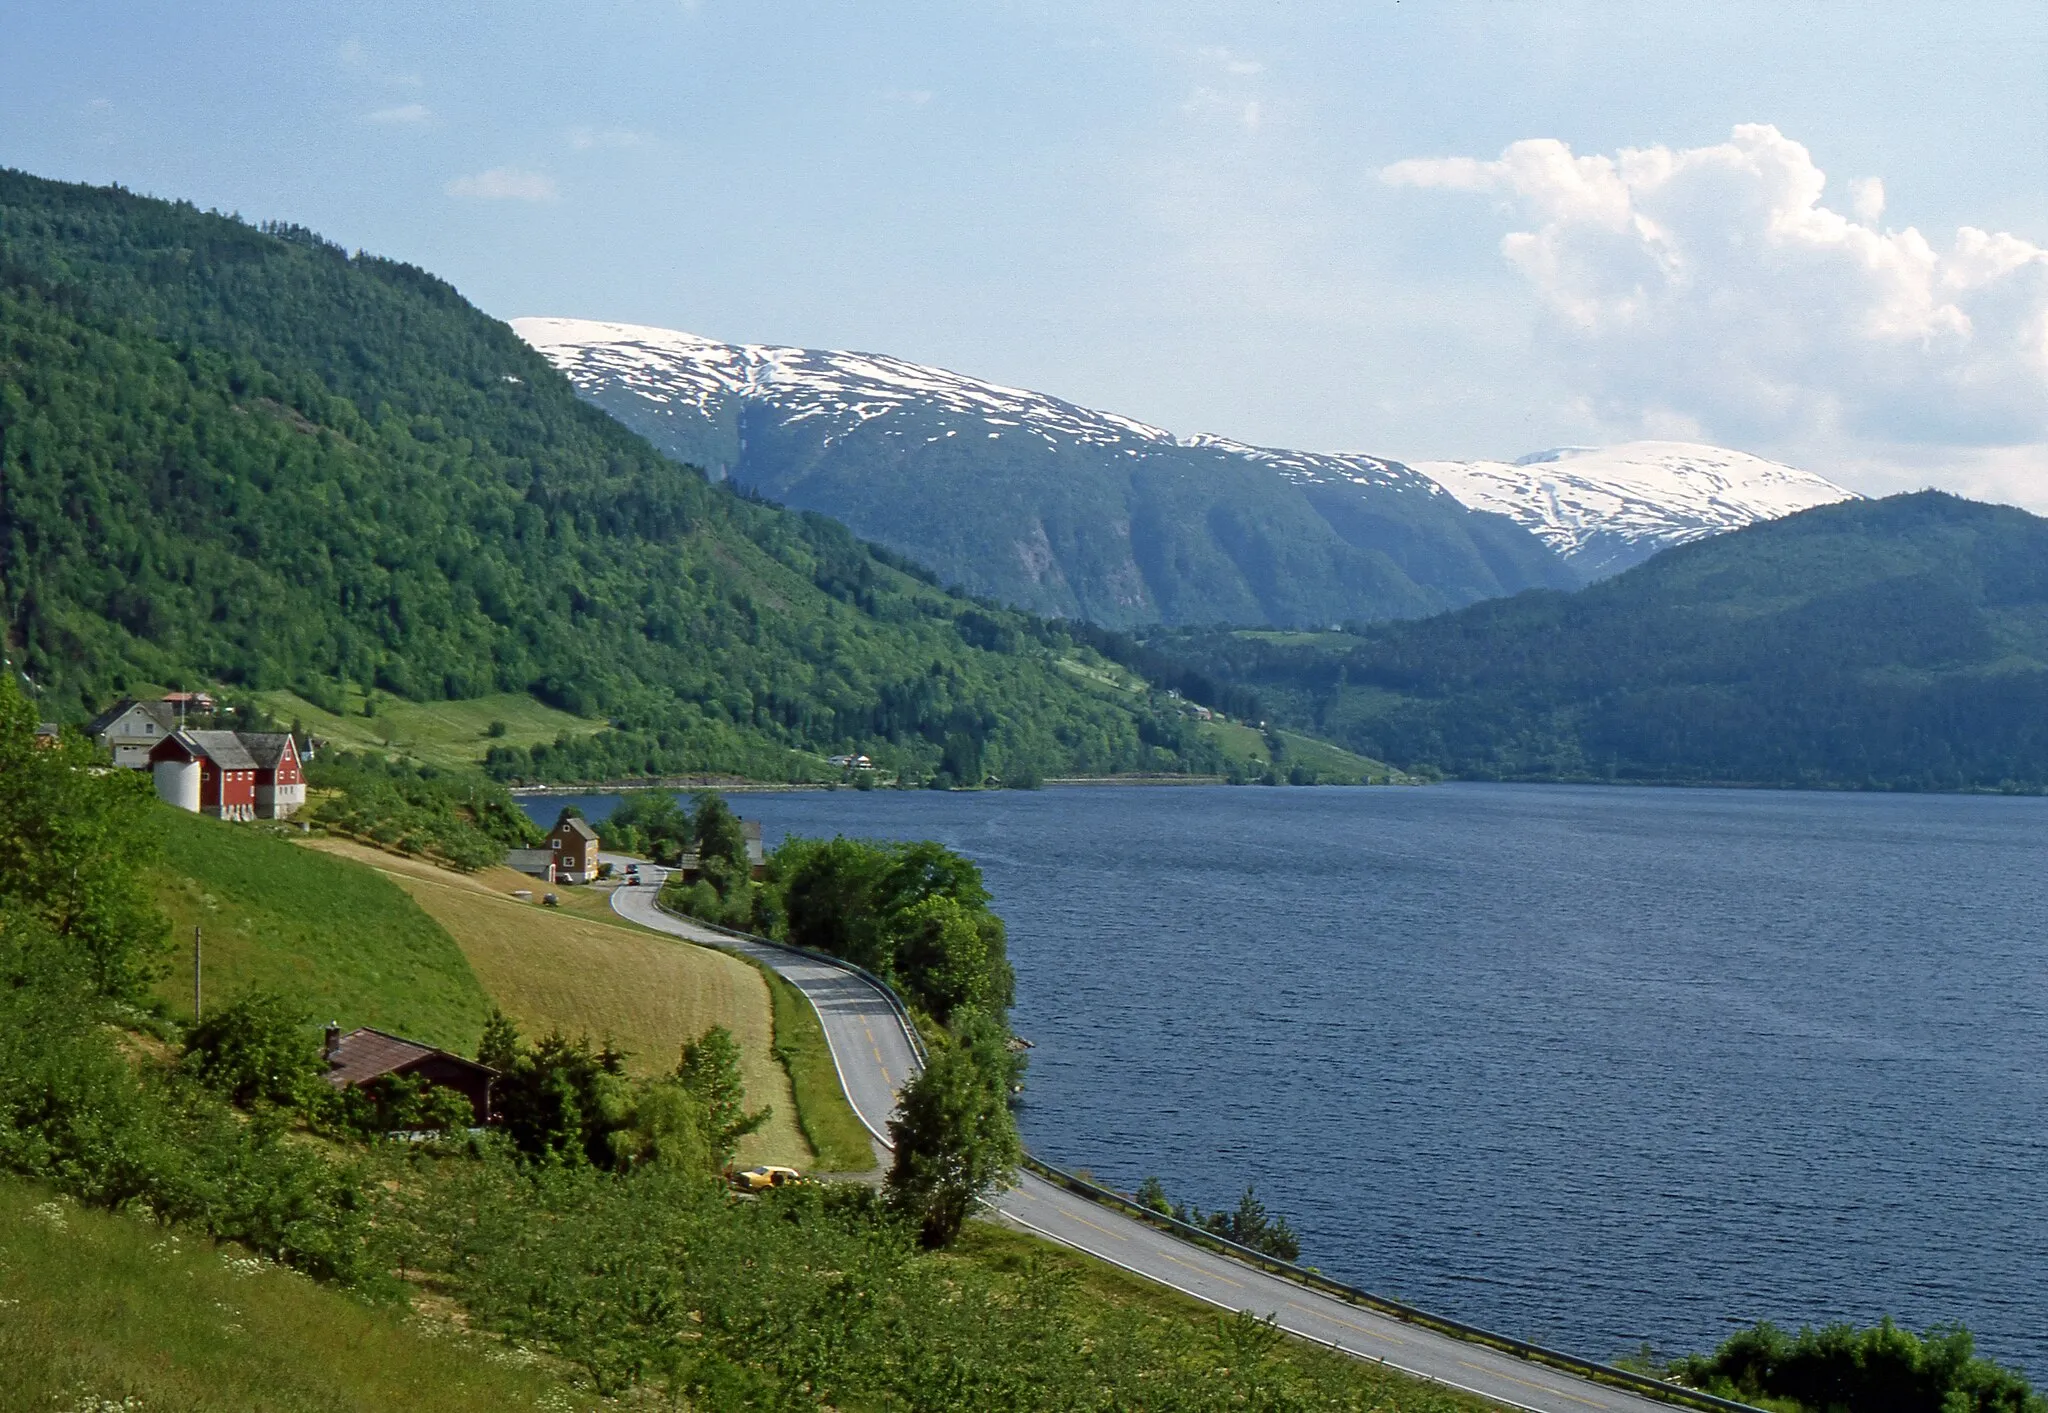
(243, 456)
(1893, 644)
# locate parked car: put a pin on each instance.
(765, 1176)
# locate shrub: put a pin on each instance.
(257, 1050)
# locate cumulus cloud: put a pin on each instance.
(404, 115)
(505, 184)
(1715, 286)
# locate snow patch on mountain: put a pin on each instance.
(1606, 508)
(1601, 508)
(668, 366)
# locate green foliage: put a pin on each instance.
(76, 1113)
(1841, 1369)
(710, 1073)
(560, 1102)
(73, 840)
(236, 456)
(1890, 644)
(457, 818)
(651, 824)
(402, 1103)
(257, 1050)
(916, 914)
(955, 1140)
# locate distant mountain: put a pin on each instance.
(1883, 644)
(1054, 507)
(1607, 508)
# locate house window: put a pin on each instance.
(554, 843)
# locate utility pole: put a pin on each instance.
(195, 974)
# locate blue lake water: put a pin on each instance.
(1595, 1067)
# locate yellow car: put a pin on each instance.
(765, 1176)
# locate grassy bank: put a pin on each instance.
(838, 1138)
(594, 975)
(341, 940)
(105, 1312)
(451, 735)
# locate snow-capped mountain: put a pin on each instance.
(671, 368)
(1060, 508)
(1606, 508)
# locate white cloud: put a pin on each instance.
(405, 114)
(585, 139)
(1712, 286)
(505, 184)
(1230, 63)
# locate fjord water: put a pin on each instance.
(1595, 1067)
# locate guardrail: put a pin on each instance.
(888, 992)
(1410, 1314)
(1315, 1280)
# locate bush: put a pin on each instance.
(257, 1050)
(1883, 1369)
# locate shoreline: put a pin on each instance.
(729, 785)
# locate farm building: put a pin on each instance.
(757, 855)
(366, 1055)
(280, 777)
(206, 772)
(570, 855)
(132, 729)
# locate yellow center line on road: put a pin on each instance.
(1217, 1275)
(1347, 1324)
(1525, 1383)
(1104, 1230)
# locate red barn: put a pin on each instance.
(206, 772)
(280, 779)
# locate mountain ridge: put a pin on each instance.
(1069, 510)
(1043, 503)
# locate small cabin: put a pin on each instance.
(366, 1055)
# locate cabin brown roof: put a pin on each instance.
(362, 1055)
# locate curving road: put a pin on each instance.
(875, 1056)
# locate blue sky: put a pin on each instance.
(1234, 218)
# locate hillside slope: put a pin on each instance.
(1605, 509)
(1038, 502)
(242, 456)
(1893, 644)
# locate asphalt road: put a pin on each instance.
(875, 1056)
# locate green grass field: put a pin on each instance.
(105, 1313)
(1332, 765)
(339, 938)
(447, 734)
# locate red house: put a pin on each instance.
(206, 772)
